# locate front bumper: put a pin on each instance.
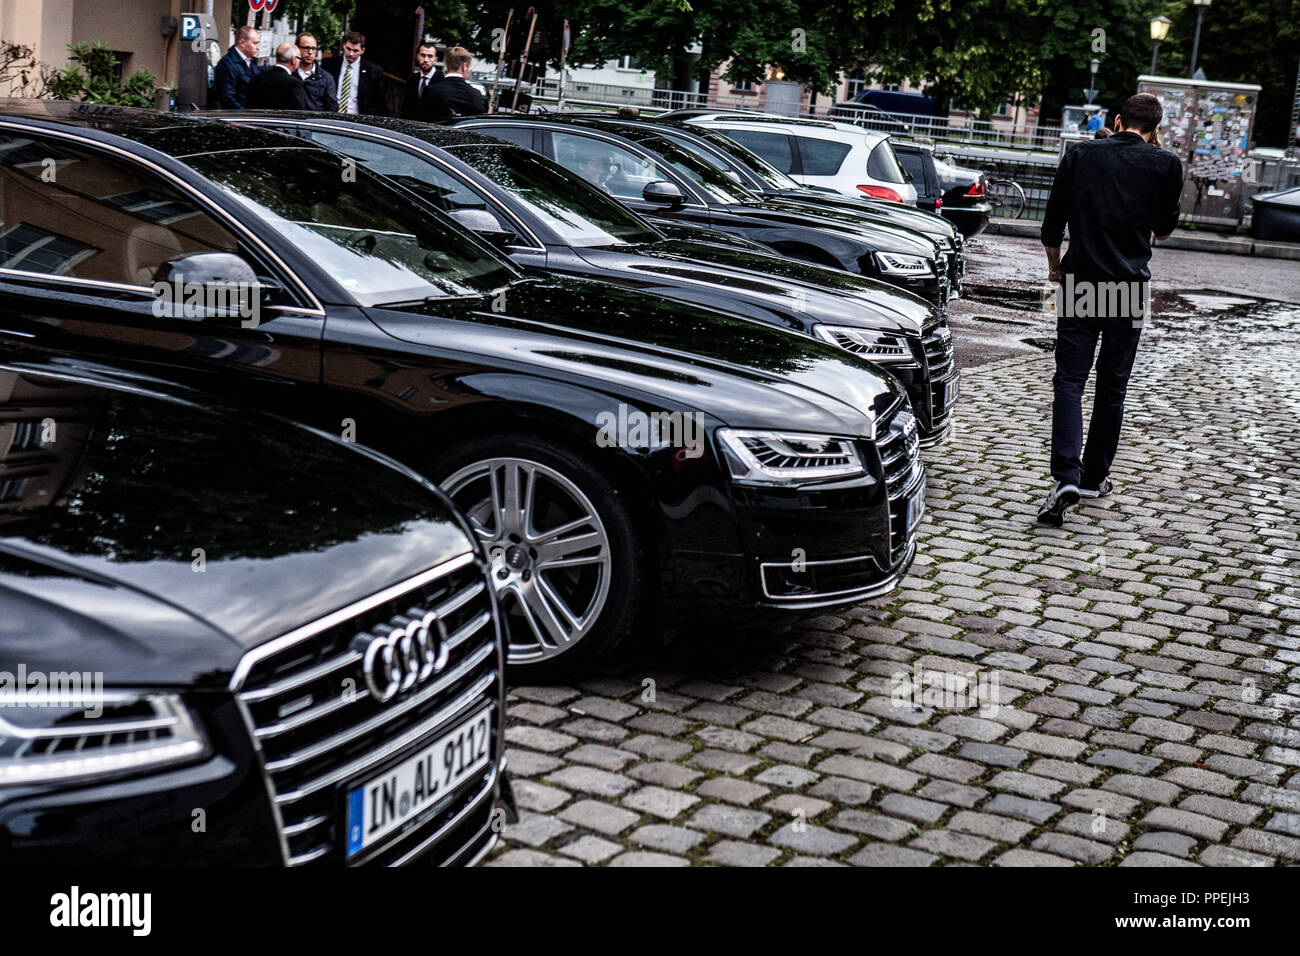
(797, 548)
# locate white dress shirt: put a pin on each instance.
(355, 68)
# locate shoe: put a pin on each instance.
(1102, 491)
(1058, 501)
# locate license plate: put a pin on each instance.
(400, 794)
(915, 508)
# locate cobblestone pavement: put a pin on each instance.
(1144, 659)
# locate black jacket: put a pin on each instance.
(318, 91)
(1114, 194)
(415, 106)
(275, 89)
(370, 87)
(230, 80)
(454, 97)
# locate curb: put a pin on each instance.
(1195, 241)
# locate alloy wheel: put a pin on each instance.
(547, 547)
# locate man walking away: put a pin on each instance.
(279, 88)
(317, 85)
(358, 83)
(415, 101)
(235, 70)
(1113, 194)
(454, 96)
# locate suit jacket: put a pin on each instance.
(455, 97)
(319, 91)
(370, 87)
(230, 80)
(275, 89)
(415, 106)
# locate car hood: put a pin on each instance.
(790, 292)
(877, 210)
(159, 536)
(844, 222)
(627, 343)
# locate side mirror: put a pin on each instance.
(484, 225)
(662, 193)
(211, 286)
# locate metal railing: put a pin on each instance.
(956, 128)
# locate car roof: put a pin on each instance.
(819, 129)
(170, 133)
(431, 133)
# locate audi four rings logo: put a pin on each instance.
(397, 661)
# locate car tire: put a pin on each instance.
(566, 558)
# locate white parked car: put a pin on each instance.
(824, 154)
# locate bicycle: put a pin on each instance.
(1006, 197)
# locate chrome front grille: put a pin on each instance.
(936, 343)
(900, 460)
(320, 731)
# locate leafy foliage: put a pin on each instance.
(99, 82)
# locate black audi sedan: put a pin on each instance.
(648, 172)
(229, 640)
(623, 458)
(753, 172)
(553, 222)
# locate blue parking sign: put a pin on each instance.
(191, 28)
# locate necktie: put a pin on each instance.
(424, 83)
(345, 88)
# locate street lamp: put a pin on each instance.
(1159, 30)
(1196, 43)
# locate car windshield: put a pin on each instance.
(760, 166)
(717, 184)
(367, 234)
(579, 213)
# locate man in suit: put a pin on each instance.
(415, 101)
(454, 96)
(358, 83)
(235, 70)
(317, 85)
(278, 88)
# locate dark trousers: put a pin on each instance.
(1076, 343)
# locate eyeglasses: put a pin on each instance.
(307, 49)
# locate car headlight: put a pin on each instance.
(47, 738)
(892, 263)
(782, 458)
(882, 347)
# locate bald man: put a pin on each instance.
(278, 87)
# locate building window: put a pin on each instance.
(892, 87)
(857, 85)
(743, 86)
(629, 63)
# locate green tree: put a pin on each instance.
(99, 83)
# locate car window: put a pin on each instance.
(418, 174)
(883, 166)
(519, 135)
(608, 166)
(717, 184)
(356, 226)
(72, 212)
(821, 157)
(913, 165)
(773, 147)
(579, 214)
(751, 160)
